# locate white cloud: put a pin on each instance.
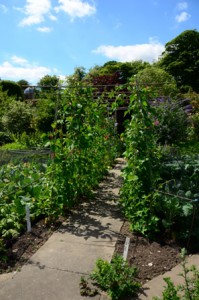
(52, 17)
(44, 29)
(75, 8)
(19, 60)
(182, 17)
(182, 5)
(147, 52)
(3, 8)
(19, 68)
(35, 11)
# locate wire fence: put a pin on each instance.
(23, 156)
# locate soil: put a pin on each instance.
(20, 249)
(151, 258)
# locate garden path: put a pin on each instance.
(91, 231)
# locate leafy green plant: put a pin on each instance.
(116, 278)
(45, 113)
(17, 118)
(142, 170)
(178, 196)
(172, 122)
(20, 185)
(82, 139)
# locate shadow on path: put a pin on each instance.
(94, 218)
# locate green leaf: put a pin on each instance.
(188, 194)
(132, 177)
(187, 209)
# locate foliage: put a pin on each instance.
(82, 139)
(78, 75)
(189, 290)
(17, 118)
(48, 82)
(113, 74)
(181, 59)
(13, 89)
(24, 141)
(124, 70)
(20, 185)
(23, 84)
(141, 172)
(160, 190)
(45, 113)
(160, 80)
(116, 278)
(178, 197)
(4, 102)
(194, 100)
(5, 138)
(13, 146)
(171, 121)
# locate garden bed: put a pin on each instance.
(19, 250)
(151, 258)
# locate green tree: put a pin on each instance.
(124, 71)
(181, 59)
(78, 75)
(158, 79)
(48, 82)
(23, 83)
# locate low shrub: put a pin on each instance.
(18, 118)
(116, 277)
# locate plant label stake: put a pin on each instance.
(28, 218)
(126, 248)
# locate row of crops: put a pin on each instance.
(82, 146)
(160, 194)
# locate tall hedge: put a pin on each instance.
(13, 89)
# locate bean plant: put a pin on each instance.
(160, 190)
(141, 172)
(83, 144)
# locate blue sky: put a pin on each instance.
(40, 37)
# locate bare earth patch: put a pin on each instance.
(151, 258)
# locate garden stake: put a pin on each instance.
(28, 218)
(126, 248)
